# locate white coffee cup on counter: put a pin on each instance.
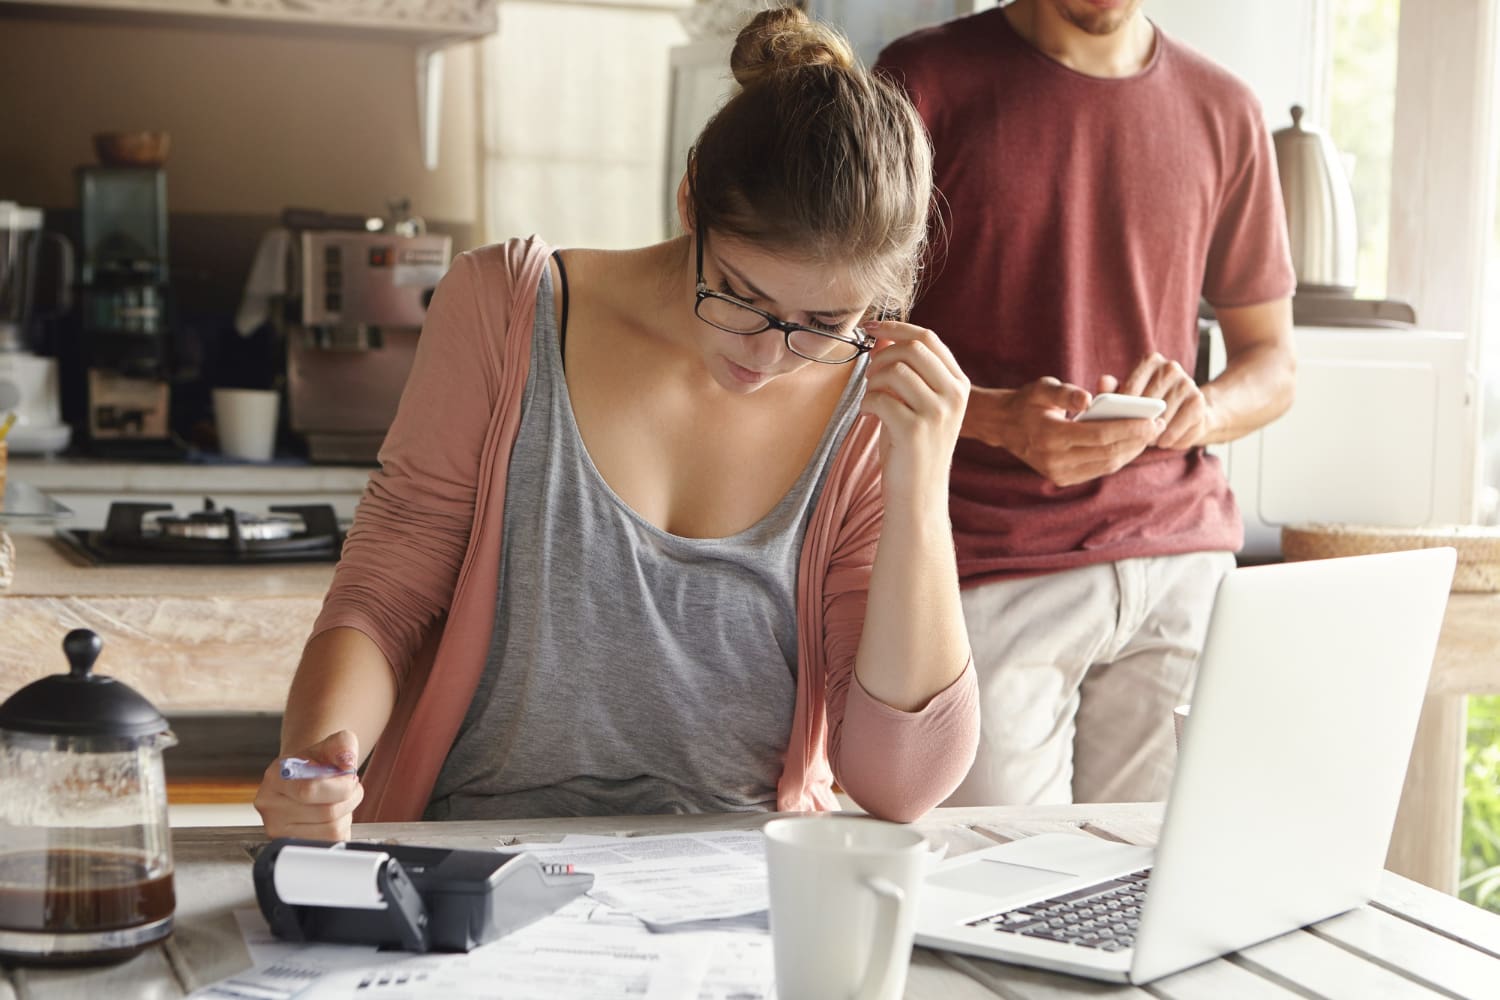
(246, 419)
(843, 901)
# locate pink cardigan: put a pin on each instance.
(419, 573)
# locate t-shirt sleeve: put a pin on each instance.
(1249, 259)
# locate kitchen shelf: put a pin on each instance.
(429, 25)
(427, 22)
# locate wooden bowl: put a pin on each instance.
(132, 149)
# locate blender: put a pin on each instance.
(28, 381)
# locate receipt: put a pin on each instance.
(319, 876)
(672, 879)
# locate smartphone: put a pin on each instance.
(1117, 406)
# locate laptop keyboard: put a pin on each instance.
(1103, 916)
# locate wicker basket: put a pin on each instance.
(1478, 547)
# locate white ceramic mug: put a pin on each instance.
(843, 902)
(247, 422)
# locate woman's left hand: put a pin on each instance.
(918, 392)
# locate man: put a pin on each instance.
(1097, 178)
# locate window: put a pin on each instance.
(1361, 120)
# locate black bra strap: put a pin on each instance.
(562, 323)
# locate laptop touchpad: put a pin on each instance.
(997, 878)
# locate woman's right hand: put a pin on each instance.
(313, 808)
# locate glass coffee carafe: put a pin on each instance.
(85, 849)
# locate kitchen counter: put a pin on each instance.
(189, 638)
(89, 486)
(53, 475)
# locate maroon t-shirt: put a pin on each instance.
(1084, 218)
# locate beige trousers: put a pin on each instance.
(1079, 671)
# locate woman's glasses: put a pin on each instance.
(733, 315)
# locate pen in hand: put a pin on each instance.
(300, 768)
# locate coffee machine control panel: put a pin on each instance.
(369, 279)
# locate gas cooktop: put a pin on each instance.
(153, 533)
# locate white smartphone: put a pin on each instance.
(1117, 406)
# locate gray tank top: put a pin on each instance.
(630, 670)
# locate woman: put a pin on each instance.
(666, 530)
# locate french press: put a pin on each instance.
(85, 849)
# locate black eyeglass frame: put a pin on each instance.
(861, 343)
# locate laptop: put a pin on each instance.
(1288, 775)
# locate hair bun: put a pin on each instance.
(785, 38)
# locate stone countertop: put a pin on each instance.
(189, 638)
(100, 476)
(45, 567)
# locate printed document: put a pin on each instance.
(674, 879)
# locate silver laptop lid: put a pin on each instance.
(1292, 760)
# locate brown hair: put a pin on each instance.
(817, 156)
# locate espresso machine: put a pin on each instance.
(124, 298)
(29, 380)
(351, 318)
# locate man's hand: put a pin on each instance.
(1189, 417)
(1035, 424)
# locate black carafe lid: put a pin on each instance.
(81, 703)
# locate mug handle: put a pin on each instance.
(888, 900)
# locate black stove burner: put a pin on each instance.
(212, 536)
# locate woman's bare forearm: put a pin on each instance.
(343, 682)
(914, 644)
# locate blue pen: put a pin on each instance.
(299, 768)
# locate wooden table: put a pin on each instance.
(1411, 942)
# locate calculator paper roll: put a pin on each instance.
(318, 876)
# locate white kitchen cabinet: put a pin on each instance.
(1382, 433)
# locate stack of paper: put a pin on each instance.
(678, 917)
(704, 881)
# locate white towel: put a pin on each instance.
(267, 279)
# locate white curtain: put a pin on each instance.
(574, 100)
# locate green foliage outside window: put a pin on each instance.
(1479, 875)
